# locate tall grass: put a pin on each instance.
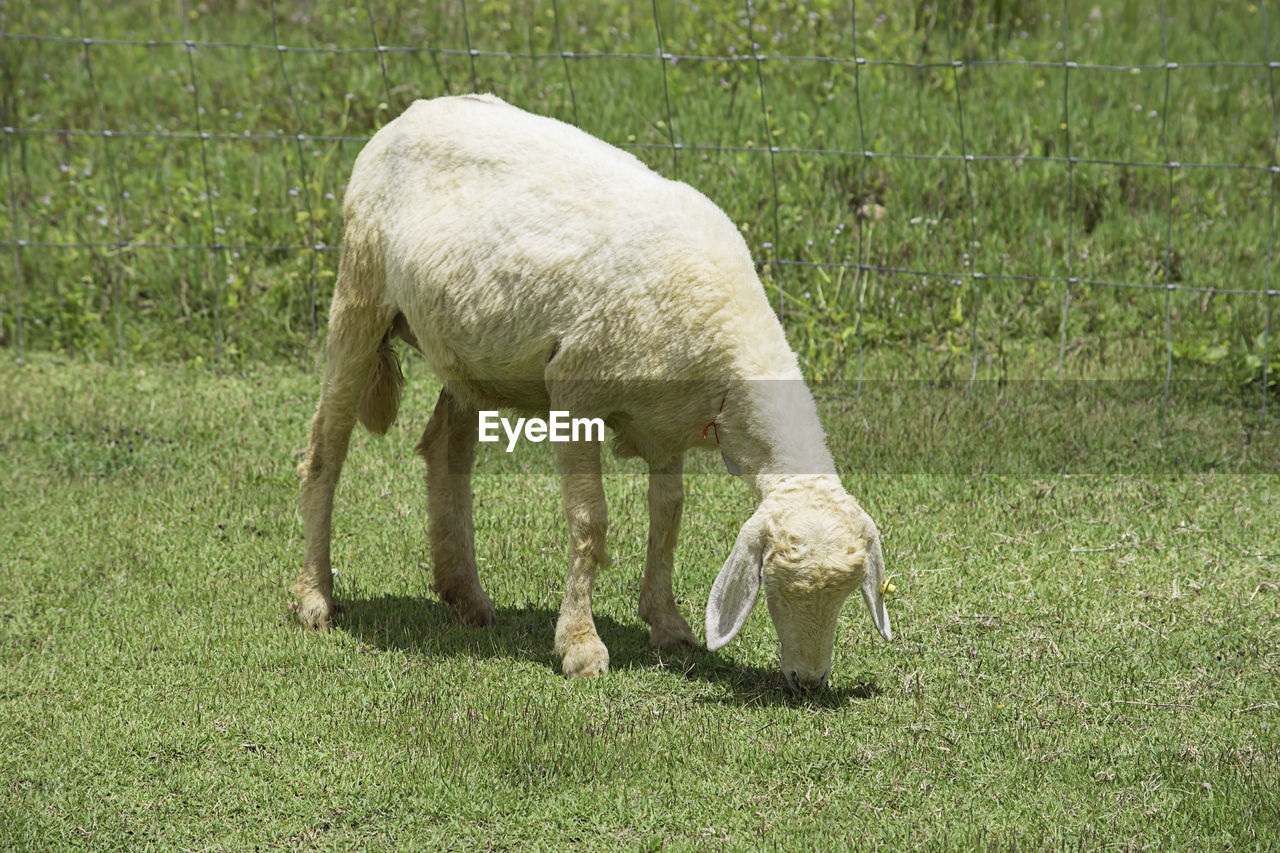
(922, 225)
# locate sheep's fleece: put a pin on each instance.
(537, 268)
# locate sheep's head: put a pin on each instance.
(810, 551)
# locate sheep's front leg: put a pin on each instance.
(449, 446)
(576, 638)
(667, 628)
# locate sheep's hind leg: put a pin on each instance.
(449, 445)
(667, 628)
(352, 348)
(583, 653)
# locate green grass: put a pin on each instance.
(1086, 638)
(1206, 228)
(1085, 647)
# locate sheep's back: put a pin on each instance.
(509, 236)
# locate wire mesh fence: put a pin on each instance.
(1047, 182)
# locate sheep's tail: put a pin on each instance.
(359, 314)
(381, 398)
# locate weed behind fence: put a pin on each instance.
(953, 190)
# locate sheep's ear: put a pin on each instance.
(737, 586)
(873, 589)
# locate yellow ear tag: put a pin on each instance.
(888, 588)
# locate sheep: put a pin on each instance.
(537, 268)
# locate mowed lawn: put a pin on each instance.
(1085, 653)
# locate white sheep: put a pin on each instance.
(537, 268)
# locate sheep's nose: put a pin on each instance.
(806, 683)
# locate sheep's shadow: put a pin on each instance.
(427, 626)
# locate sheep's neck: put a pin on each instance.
(770, 428)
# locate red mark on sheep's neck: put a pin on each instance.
(713, 424)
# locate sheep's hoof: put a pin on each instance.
(586, 657)
(671, 632)
(470, 603)
(313, 611)
(476, 610)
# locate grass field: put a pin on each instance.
(1086, 645)
(1085, 648)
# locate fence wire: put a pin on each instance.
(977, 271)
